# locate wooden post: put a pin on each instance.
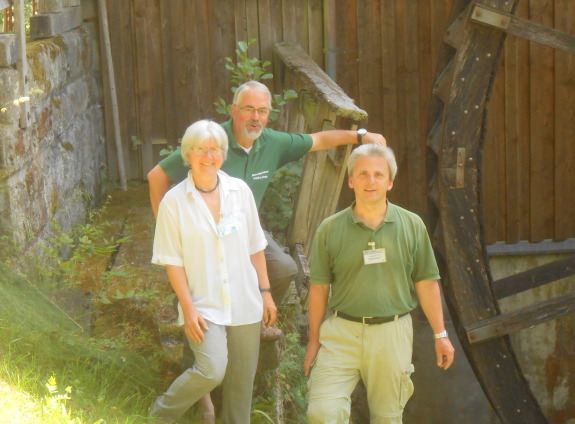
(113, 98)
(21, 63)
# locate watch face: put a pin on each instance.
(362, 131)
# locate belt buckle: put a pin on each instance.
(363, 320)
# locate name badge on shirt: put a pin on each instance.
(227, 226)
(374, 256)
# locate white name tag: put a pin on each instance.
(374, 256)
(227, 226)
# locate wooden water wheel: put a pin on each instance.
(464, 78)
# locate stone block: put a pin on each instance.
(51, 24)
(49, 6)
(89, 9)
(70, 3)
(8, 49)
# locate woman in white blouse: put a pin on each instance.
(209, 238)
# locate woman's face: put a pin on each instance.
(208, 157)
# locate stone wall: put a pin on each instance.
(55, 168)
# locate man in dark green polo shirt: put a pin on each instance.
(255, 153)
(379, 263)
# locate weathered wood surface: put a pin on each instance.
(322, 105)
(524, 28)
(520, 319)
(534, 277)
(21, 62)
(455, 193)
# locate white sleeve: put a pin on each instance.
(257, 239)
(167, 237)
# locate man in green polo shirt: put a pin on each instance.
(379, 263)
(255, 153)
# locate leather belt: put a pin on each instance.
(369, 320)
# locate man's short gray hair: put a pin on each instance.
(200, 132)
(372, 149)
(252, 85)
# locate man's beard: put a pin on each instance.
(253, 134)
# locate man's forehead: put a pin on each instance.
(251, 97)
(371, 163)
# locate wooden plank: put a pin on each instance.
(454, 33)
(524, 28)
(240, 20)
(168, 77)
(346, 26)
(520, 319)
(370, 63)
(390, 114)
(407, 85)
(494, 163)
(542, 128)
(545, 247)
(183, 37)
(534, 277)
(315, 31)
(223, 44)
(564, 127)
(202, 82)
(22, 62)
(513, 129)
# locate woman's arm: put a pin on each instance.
(270, 310)
(193, 321)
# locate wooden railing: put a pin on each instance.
(321, 105)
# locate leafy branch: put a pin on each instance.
(251, 69)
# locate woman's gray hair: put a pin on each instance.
(252, 85)
(200, 132)
(372, 149)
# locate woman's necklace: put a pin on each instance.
(209, 191)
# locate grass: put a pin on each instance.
(51, 372)
(89, 380)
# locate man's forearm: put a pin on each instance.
(329, 139)
(159, 183)
(429, 297)
(317, 306)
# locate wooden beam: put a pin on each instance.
(534, 277)
(22, 61)
(524, 28)
(520, 319)
(544, 247)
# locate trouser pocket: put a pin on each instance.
(406, 386)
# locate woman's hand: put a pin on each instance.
(194, 323)
(270, 309)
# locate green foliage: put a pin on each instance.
(39, 342)
(27, 14)
(277, 205)
(251, 69)
(66, 257)
(288, 381)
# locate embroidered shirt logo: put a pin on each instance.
(261, 175)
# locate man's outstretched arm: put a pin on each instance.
(159, 185)
(324, 140)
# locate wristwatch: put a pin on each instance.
(360, 133)
(441, 335)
